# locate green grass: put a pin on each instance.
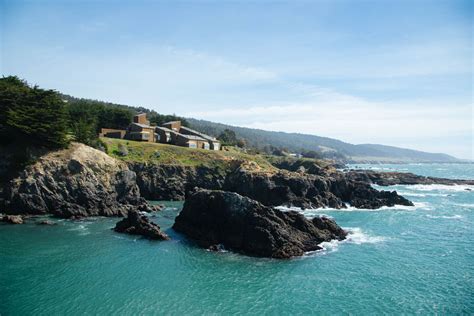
(175, 155)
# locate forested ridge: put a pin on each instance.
(32, 116)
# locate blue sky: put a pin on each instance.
(391, 72)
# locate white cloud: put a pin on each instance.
(218, 67)
(420, 124)
(437, 56)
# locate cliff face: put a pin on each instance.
(172, 182)
(79, 181)
(271, 188)
(82, 181)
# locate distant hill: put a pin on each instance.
(295, 142)
(331, 148)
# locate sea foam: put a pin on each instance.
(439, 187)
(318, 211)
(355, 236)
(445, 216)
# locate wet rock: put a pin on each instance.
(241, 224)
(12, 219)
(46, 223)
(403, 178)
(137, 224)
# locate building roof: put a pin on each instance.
(142, 125)
(171, 122)
(164, 129)
(190, 137)
(206, 137)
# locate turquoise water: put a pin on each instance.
(411, 260)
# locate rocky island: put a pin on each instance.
(215, 218)
(137, 224)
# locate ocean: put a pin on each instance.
(397, 260)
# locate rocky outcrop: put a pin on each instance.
(12, 219)
(82, 181)
(171, 182)
(404, 178)
(308, 190)
(76, 182)
(137, 224)
(214, 218)
(362, 195)
(326, 188)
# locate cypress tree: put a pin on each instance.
(32, 115)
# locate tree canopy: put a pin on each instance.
(32, 115)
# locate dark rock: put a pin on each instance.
(317, 187)
(149, 208)
(172, 182)
(12, 219)
(46, 222)
(137, 224)
(309, 191)
(404, 178)
(239, 223)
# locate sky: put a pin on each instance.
(390, 72)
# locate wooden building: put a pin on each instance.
(169, 133)
(141, 132)
(214, 144)
(112, 133)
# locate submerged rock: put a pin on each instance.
(137, 224)
(46, 223)
(12, 219)
(214, 218)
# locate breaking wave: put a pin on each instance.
(439, 187)
(81, 229)
(355, 236)
(318, 211)
(445, 216)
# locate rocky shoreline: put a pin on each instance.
(81, 182)
(280, 187)
(404, 178)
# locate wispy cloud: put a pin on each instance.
(219, 66)
(410, 123)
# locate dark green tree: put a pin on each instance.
(32, 115)
(228, 137)
(159, 119)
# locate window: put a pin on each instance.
(192, 145)
(206, 145)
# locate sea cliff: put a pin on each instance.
(76, 182)
(81, 181)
